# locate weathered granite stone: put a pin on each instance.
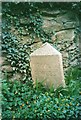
(46, 65)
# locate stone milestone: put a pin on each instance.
(46, 66)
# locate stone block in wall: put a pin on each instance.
(67, 17)
(46, 66)
(70, 24)
(60, 22)
(64, 35)
(52, 13)
(51, 25)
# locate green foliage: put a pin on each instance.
(22, 100)
(32, 23)
(74, 73)
(17, 54)
(25, 101)
(26, 19)
(31, 13)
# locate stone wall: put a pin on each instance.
(61, 24)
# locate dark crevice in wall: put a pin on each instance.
(66, 29)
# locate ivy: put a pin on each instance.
(32, 15)
(17, 54)
(26, 19)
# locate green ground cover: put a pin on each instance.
(24, 101)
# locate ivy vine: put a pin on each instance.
(17, 54)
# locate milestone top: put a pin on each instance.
(45, 49)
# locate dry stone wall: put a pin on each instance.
(61, 24)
